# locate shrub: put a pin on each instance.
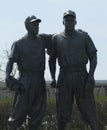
(5, 108)
(49, 122)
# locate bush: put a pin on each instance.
(49, 121)
(101, 106)
(5, 108)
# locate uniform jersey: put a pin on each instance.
(72, 50)
(30, 53)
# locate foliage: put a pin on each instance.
(5, 108)
(49, 121)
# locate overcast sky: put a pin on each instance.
(91, 17)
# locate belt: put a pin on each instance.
(73, 68)
(30, 73)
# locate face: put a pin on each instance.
(34, 28)
(69, 22)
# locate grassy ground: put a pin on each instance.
(49, 122)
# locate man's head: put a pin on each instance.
(32, 24)
(69, 20)
(69, 12)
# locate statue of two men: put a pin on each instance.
(73, 49)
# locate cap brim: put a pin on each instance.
(35, 20)
(69, 15)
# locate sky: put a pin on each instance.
(91, 17)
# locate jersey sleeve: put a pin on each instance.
(54, 47)
(90, 47)
(14, 54)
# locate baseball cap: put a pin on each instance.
(69, 12)
(34, 19)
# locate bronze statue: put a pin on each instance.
(73, 49)
(30, 98)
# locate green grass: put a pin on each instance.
(101, 106)
(101, 98)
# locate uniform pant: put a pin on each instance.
(30, 104)
(70, 85)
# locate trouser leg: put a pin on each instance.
(85, 102)
(37, 103)
(32, 128)
(91, 112)
(88, 112)
(18, 114)
(37, 113)
(11, 128)
(64, 100)
(61, 125)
